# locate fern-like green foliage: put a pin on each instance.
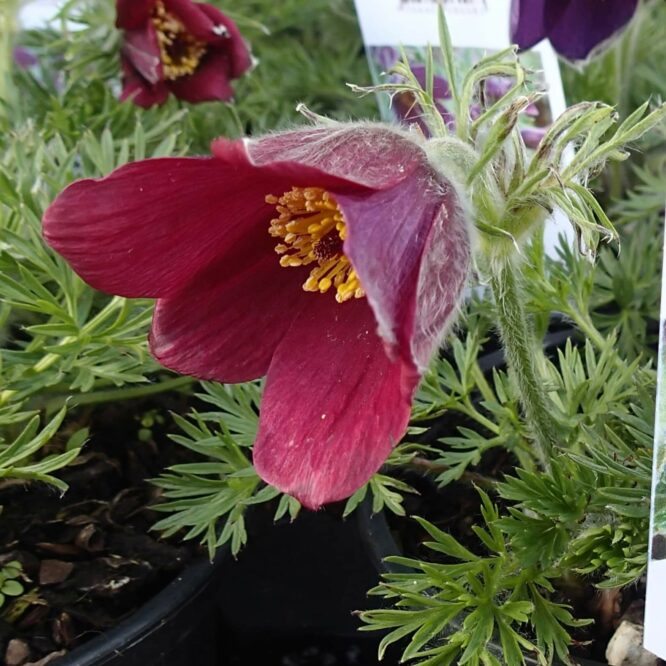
(209, 498)
(387, 492)
(59, 337)
(617, 295)
(587, 514)
(473, 607)
(17, 456)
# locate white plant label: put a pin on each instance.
(477, 27)
(655, 603)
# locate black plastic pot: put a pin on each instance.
(299, 584)
(287, 599)
(176, 627)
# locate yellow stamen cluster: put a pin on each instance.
(180, 52)
(312, 228)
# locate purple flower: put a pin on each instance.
(575, 28)
(385, 56)
(24, 58)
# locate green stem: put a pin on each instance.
(121, 393)
(51, 358)
(482, 383)
(467, 476)
(589, 330)
(112, 307)
(522, 355)
(469, 410)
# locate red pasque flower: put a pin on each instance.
(190, 49)
(373, 249)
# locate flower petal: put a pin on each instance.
(371, 155)
(584, 25)
(133, 14)
(24, 58)
(227, 322)
(138, 90)
(334, 405)
(528, 22)
(210, 80)
(443, 271)
(410, 246)
(160, 221)
(140, 48)
(233, 43)
(195, 19)
(157, 220)
(389, 231)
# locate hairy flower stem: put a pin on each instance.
(523, 358)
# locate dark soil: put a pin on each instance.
(89, 557)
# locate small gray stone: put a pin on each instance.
(17, 652)
(626, 647)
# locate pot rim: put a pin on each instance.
(181, 593)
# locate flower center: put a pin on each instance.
(312, 229)
(180, 52)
